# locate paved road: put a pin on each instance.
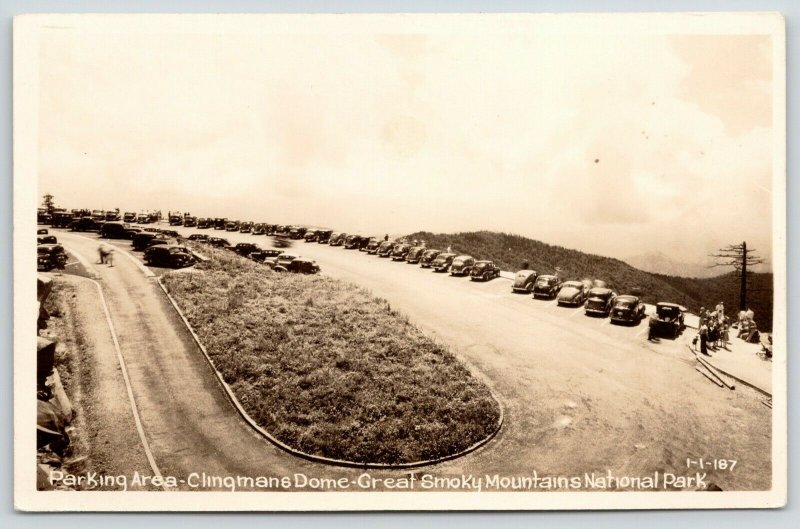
(580, 395)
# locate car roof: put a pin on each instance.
(573, 283)
(547, 276)
(465, 256)
(628, 297)
(600, 290)
(484, 261)
(667, 304)
(50, 245)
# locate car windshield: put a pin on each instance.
(668, 312)
(522, 274)
(573, 284)
(546, 281)
(624, 303)
(481, 265)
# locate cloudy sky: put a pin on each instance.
(615, 143)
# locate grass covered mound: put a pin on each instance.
(329, 369)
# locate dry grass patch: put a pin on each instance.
(330, 369)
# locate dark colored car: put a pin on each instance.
(524, 281)
(232, 225)
(204, 223)
(144, 240)
(85, 224)
(259, 228)
(667, 321)
(220, 223)
(484, 271)
(546, 286)
(311, 236)
(168, 255)
(131, 232)
(414, 254)
(372, 246)
(337, 239)
(202, 237)
(46, 239)
(50, 256)
(352, 242)
(573, 293)
(189, 222)
(218, 242)
(297, 232)
(365, 242)
(301, 265)
(462, 265)
(627, 309)
(246, 248)
(262, 255)
(245, 227)
(112, 216)
(400, 251)
(43, 217)
(114, 230)
(428, 256)
(170, 233)
(324, 236)
(175, 220)
(270, 229)
(143, 219)
(61, 220)
(98, 214)
(129, 216)
(599, 301)
(42, 231)
(385, 249)
(443, 262)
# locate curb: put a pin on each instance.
(311, 457)
(736, 378)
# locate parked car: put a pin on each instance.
(301, 265)
(666, 321)
(131, 232)
(201, 237)
(310, 236)
(129, 216)
(190, 221)
(85, 224)
(372, 246)
(400, 251)
(462, 265)
(46, 239)
(144, 240)
(218, 242)
(385, 249)
(297, 232)
(524, 280)
(627, 309)
(112, 215)
(263, 255)
(270, 229)
(143, 219)
(232, 225)
(220, 223)
(546, 286)
(114, 230)
(599, 301)
(175, 219)
(246, 248)
(61, 219)
(365, 242)
(285, 258)
(43, 217)
(337, 239)
(170, 233)
(49, 256)
(352, 242)
(246, 227)
(484, 271)
(428, 256)
(324, 236)
(572, 293)
(204, 223)
(443, 262)
(169, 255)
(98, 214)
(414, 254)
(259, 228)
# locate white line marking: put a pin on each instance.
(90, 269)
(134, 408)
(642, 331)
(576, 311)
(605, 321)
(68, 263)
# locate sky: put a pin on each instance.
(618, 143)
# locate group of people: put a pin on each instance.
(713, 331)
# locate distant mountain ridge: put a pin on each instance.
(659, 263)
(513, 252)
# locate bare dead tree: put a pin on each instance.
(740, 258)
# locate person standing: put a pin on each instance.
(720, 308)
(704, 339)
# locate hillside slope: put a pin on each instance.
(512, 252)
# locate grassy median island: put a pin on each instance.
(328, 368)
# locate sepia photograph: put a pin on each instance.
(400, 262)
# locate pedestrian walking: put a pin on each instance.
(110, 256)
(101, 250)
(720, 308)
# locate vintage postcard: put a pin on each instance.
(400, 262)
